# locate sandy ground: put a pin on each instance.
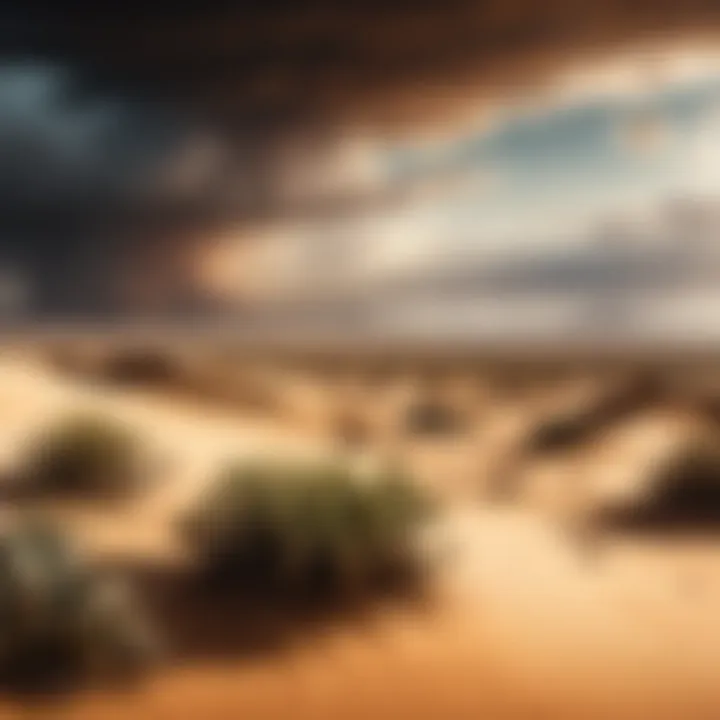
(529, 622)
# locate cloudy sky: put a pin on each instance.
(544, 172)
(532, 175)
(184, 149)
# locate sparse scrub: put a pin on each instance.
(561, 431)
(683, 491)
(304, 527)
(141, 366)
(689, 483)
(61, 618)
(83, 454)
(433, 417)
(569, 428)
(639, 391)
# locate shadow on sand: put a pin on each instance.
(203, 623)
(679, 503)
(207, 621)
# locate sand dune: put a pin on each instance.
(528, 623)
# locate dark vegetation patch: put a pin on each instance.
(142, 367)
(63, 620)
(82, 456)
(433, 417)
(307, 529)
(573, 427)
(684, 494)
(216, 620)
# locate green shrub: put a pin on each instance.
(305, 527)
(60, 616)
(83, 454)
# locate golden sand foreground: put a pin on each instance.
(526, 621)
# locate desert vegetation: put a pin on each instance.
(683, 492)
(605, 408)
(275, 548)
(266, 529)
(82, 455)
(307, 526)
(64, 619)
(429, 416)
(140, 366)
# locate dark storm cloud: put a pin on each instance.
(81, 172)
(57, 148)
(288, 60)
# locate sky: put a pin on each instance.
(551, 169)
(176, 154)
(537, 176)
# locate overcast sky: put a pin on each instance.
(524, 175)
(538, 173)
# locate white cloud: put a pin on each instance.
(701, 161)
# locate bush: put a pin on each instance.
(83, 454)
(433, 418)
(307, 527)
(568, 428)
(561, 431)
(689, 484)
(683, 492)
(61, 618)
(142, 367)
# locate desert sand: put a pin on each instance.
(527, 621)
